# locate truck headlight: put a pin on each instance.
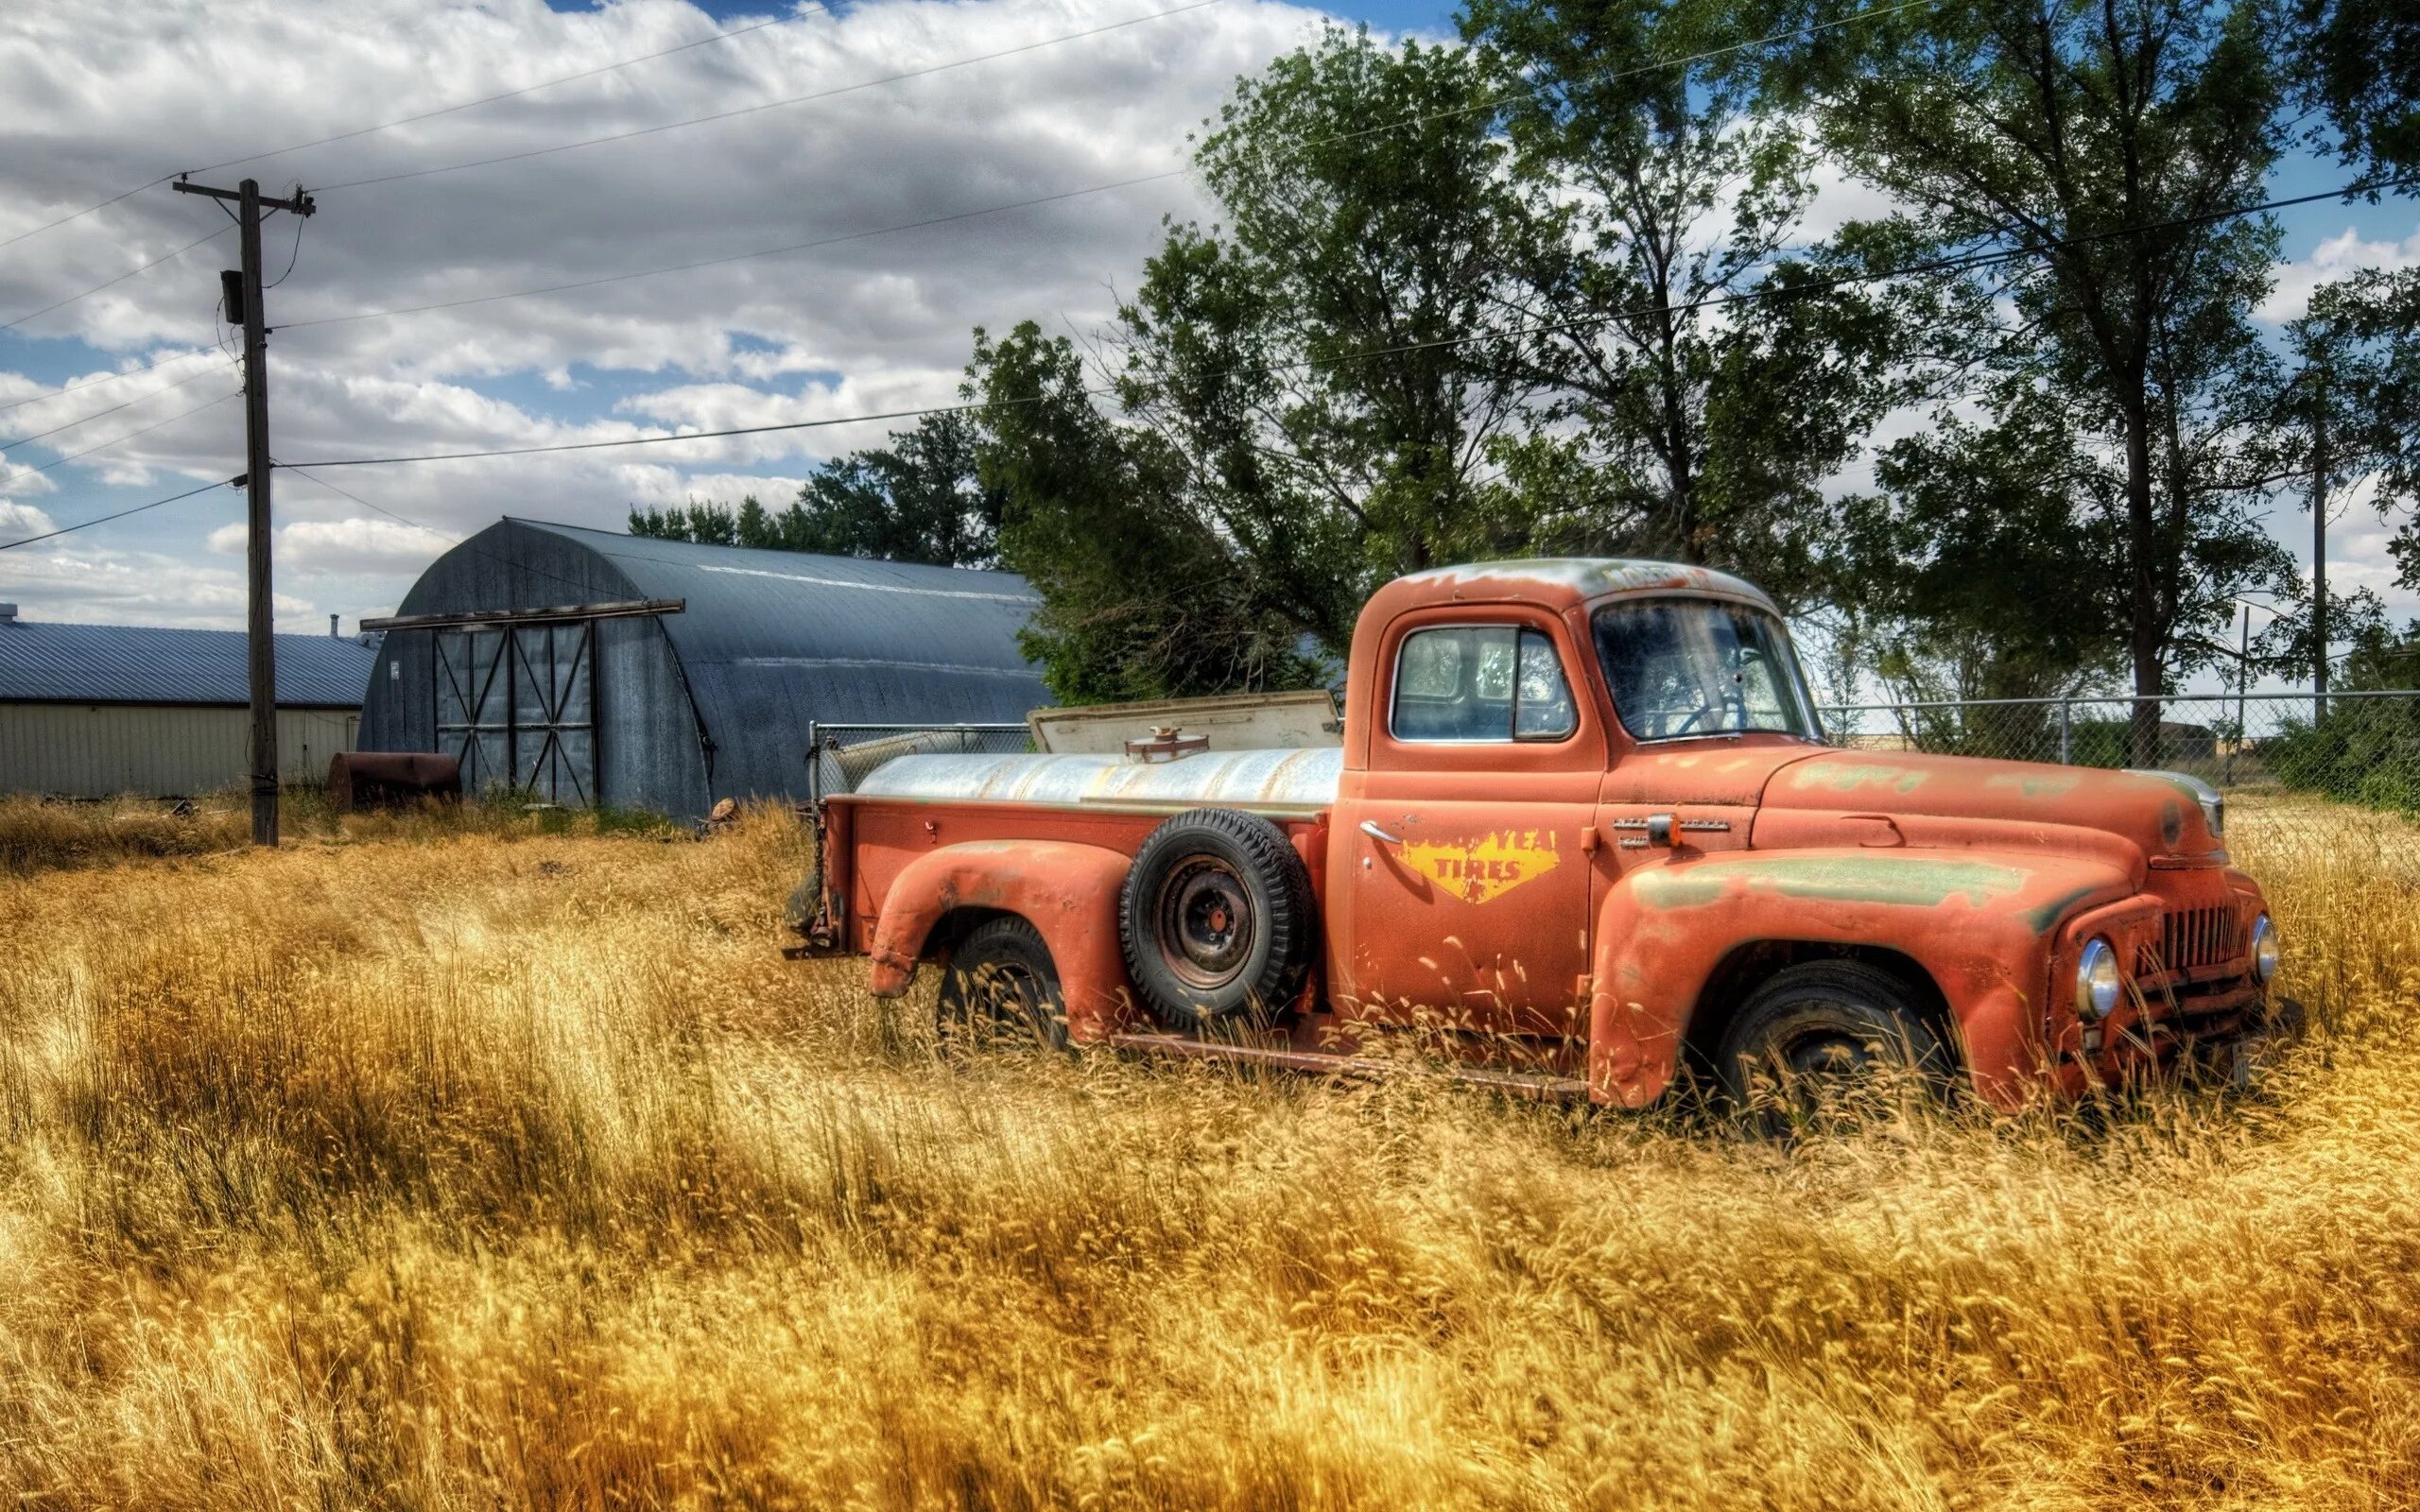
(2266, 955)
(2098, 987)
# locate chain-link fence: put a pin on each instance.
(839, 756)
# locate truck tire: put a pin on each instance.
(1218, 919)
(1000, 991)
(1823, 1028)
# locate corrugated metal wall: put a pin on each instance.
(163, 750)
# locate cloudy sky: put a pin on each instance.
(96, 99)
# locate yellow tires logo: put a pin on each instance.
(1482, 871)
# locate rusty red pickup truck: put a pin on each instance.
(1583, 837)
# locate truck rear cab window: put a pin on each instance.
(1481, 682)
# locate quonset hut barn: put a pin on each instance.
(591, 667)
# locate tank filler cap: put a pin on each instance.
(1166, 743)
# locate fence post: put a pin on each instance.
(2067, 733)
(814, 766)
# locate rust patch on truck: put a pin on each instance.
(2033, 784)
(1906, 880)
(1848, 779)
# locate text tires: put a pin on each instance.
(1216, 920)
(1000, 990)
(1817, 1031)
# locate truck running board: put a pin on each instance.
(1533, 1085)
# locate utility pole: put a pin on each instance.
(260, 619)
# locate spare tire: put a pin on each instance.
(1217, 918)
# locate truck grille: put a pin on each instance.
(2192, 938)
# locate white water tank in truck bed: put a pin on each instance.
(1294, 780)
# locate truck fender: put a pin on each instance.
(1067, 891)
(1982, 924)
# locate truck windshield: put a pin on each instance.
(1687, 666)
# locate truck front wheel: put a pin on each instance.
(1001, 990)
(1820, 1031)
(1217, 918)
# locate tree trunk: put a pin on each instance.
(2142, 544)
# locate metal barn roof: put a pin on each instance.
(48, 663)
(772, 639)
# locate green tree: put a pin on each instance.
(2080, 142)
(919, 499)
(1141, 597)
(1973, 568)
(1313, 362)
(1655, 195)
(2358, 385)
(2358, 61)
(704, 522)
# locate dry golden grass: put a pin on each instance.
(491, 1169)
(43, 834)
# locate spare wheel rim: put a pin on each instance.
(1205, 924)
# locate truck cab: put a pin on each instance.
(1584, 828)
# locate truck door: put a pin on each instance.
(1465, 847)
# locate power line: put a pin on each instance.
(152, 365)
(620, 136)
(730, 257)
(507, 95)
(69, 425)
(1490, 103)
(333, 487)
(640, 441)
(144, 268)
(102, 520)
(291, 258)
(927, 223)
(1951, 263)
(402, 120)
(406, 520)
(773, 105)
(120, 441)
(1613, 74)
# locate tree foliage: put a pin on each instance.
(2075, 153)
(918, 500)
(1141, 597)
(1315, 361)
(1656, 197)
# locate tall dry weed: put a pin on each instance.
(478, 1170)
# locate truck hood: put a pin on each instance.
(1893, 797)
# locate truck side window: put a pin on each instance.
(1481, 682)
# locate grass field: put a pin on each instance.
(425, 1166)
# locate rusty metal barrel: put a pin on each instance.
(392, 779)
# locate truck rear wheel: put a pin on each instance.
(1000, 991)
(1218, 919)
(1820, 1032)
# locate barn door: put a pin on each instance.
(474, 706)
(554, 732)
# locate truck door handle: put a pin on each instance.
(1370, 827)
